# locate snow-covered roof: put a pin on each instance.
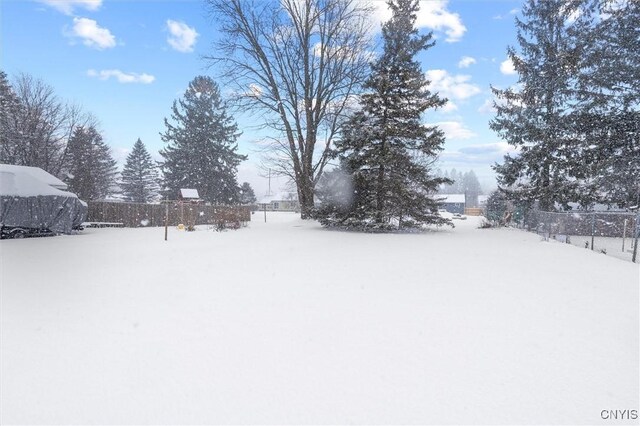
(37, 173)
(189, 193)
(18, 183)
(451, 198)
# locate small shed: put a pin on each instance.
(189, 197)
(189, 194)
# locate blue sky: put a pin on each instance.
(127, 61)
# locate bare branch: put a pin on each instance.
(297, 62)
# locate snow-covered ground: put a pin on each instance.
(284, 322)
(607, 245)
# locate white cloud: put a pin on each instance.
(433, 14)
(455, 130)
(122, 77)
(67, 6)
(478, 154)
(182, 37)
(487, 107)
(511, 12)
(449, 107)
(451, 86)
(507, 68)
(92, 34)
(499, 148)
(466, 61)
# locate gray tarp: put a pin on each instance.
(29, 203)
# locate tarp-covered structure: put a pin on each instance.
(29, 202)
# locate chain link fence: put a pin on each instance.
(610, 233)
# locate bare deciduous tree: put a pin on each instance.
(298, 63)
(39, 126)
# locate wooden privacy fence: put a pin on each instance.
(473, 211)
(134, 215)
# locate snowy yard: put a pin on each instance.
(610, 245)
(285, 322)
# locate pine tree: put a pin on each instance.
(456, 185)
(535, 117)
(496, 206)
(139, 180)
(247, 196)
(470, 183)
(608, 114)
(385, 149)
(201, 145)
(92, 169)
(471, 188)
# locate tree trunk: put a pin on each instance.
(305, 196)
(546, 199)
(380, 194)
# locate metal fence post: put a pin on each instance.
(635, 245)
(593, 228)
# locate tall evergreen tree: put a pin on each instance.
(385, 149)
(139, 180)
(471, 189)
(455, 187)
(608, 114)
(470, 183)
(247, 196)
(460, 183)
(201, 145)
(92, 169)
(496, 206)
(534, 116)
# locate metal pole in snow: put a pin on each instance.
(635, 246)
(624, 234)
(593, 228)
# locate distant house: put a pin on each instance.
(453, 203)
(283, 202)
(470, 203)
